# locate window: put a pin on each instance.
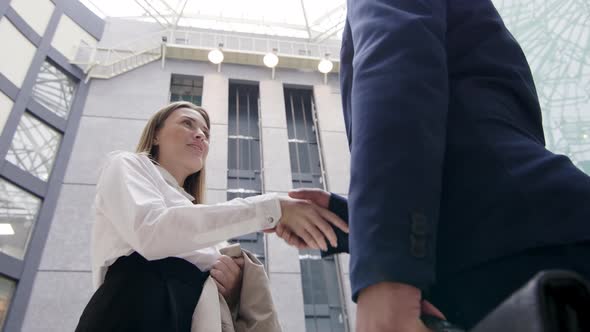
(34, 147)
(18, 213)
(186, 88)
(556, 43)
(321, 289)
(7, 288)
(54, 89)
(69, 35)
(35, 13)
(244, 175)
(5, 108)
(303, 144)
(17, 54)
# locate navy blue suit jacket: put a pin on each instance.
(448, 161)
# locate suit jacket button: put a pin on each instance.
(418, 247)
(419, 224)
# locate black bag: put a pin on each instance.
(553, 301)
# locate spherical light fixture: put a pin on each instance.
(270, 60)
(325, 66)
(215, 56)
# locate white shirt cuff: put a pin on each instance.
(268, 209)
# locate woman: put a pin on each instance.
(154, 241)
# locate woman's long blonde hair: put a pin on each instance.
(194, 183)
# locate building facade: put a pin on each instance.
(73, 88)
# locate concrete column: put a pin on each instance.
(216, 102)
(283, 261)
(215, 97)
(333, 138)
(337, 166)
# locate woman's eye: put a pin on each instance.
(188, 123)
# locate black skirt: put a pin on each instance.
(141, 295)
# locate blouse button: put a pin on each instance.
(270, 220)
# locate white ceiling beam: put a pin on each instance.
(306, 21)
(233, 20)
(179, 15)
(147, 11)
(330, 32)
(328, 14)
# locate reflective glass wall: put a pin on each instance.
(555, 36)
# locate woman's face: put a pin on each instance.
(183, 141)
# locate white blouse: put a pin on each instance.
(140, 207)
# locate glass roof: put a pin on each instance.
(313, 20)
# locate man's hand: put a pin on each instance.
(317, 196)
(392, 307)
(227, 274)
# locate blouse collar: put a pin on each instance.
(172, 181)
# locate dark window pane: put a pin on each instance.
(186, 88)
(319, 277)
(243, 177)
(232, 159)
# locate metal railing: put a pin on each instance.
(108, 61)
(234, 42)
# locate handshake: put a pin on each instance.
(306, 222)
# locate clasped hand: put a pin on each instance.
(306, 224)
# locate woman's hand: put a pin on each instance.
(309, 222)
(227, 274)
(319, 197)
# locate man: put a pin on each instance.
(453, 196)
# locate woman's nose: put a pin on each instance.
(200, 134)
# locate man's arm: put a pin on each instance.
(399, 100)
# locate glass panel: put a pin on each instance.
(555, 37)
(5, 108)
(18, 213)
(186, 88)
(243, 178)
(54, 90)
(34, 147)
(15, 59)
(321, 289)
(7, 288)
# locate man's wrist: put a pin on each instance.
(389, 306)
(398, 292)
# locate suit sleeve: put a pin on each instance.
(399, 99)
(338, 205)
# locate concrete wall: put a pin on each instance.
(337, 166)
